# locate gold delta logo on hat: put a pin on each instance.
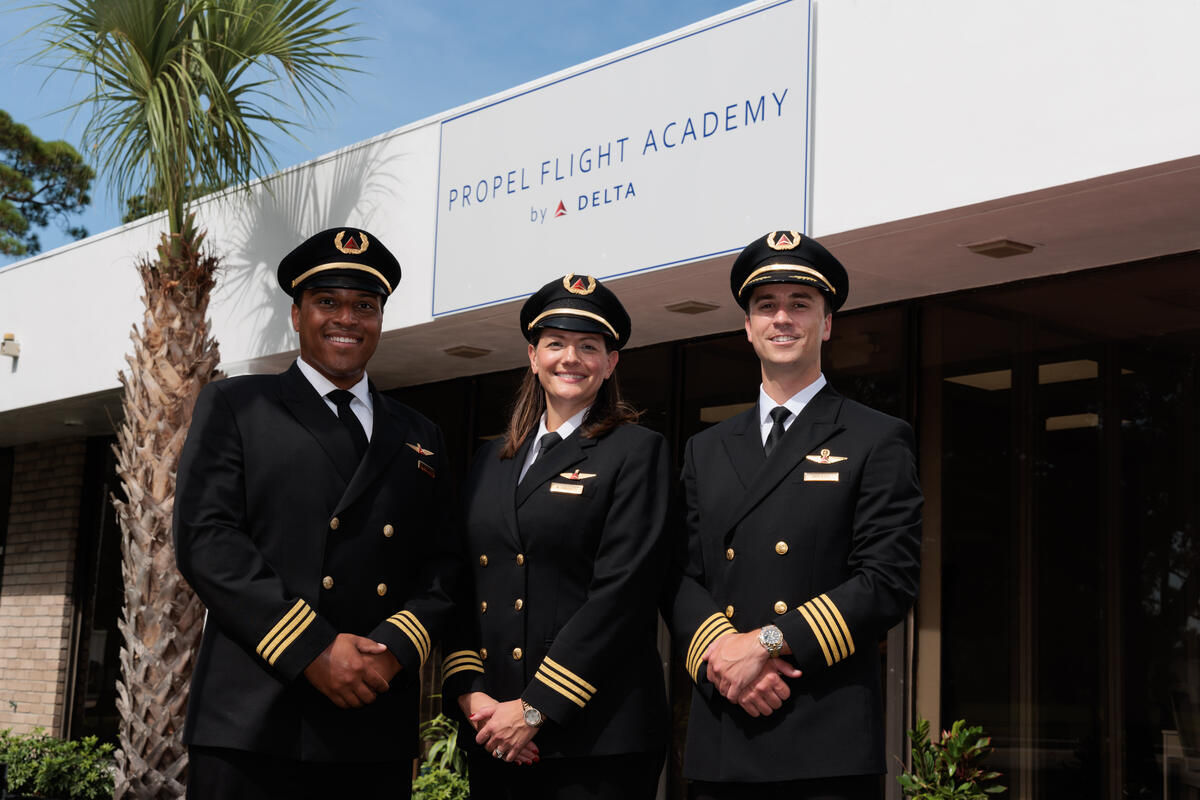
(351, 247)
(577, 286)
(783, 240)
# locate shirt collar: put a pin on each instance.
(361, 390)
(564, 430)
(794, 404)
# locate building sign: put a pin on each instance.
(676, 152)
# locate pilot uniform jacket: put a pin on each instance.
(563, 610)
(822, 539)
(289, 540)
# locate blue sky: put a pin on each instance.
(421, 57)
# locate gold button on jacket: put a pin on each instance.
(520, 559)
(729, 611)
(519, 604)
(327, 582)
(781, 547)
(729, 554)
(780, 607)
(517, 653)
(388, 531)
(483, 607)
(381, 589)
(333, 524)
(483, 653)
(483, 561)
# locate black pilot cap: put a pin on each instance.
(576, 303)
(340, 258)
(788, 257)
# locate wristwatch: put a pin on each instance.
(771, 638)
(533, 717)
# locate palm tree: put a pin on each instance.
(178, 88)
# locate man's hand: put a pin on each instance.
(348, 671)
(504, 733)
(768, 691)
(734, 662)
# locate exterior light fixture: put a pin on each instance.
(466, 351)
(1000, 248)
(691, 307)
(10, 346)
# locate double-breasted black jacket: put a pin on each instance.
(562, 608)
(821, 539)
(288, 542)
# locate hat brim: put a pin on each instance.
(343, 280)
(787, 276)
(570, 323)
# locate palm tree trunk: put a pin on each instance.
(173, 357)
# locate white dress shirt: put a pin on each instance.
(564, 430)
(360, 405)
(795, 404)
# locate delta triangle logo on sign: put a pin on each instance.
(684, 133)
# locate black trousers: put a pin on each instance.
(849, 787)
(217, 773)
(631, 776)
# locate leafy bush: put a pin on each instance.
(42, 766)
(949, 769)
(438, 783)
(443, 774)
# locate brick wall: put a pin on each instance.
(35, 590)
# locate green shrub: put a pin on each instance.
(42, 766)
(949, 769)
(439, 783)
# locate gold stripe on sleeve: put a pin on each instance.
(297, 628)
(554, 682)
(279, 626)
(709, 631)
(835, 633)
(835, 648)
(833, 609)
(411, 628)
(554, 666)
(820, 637)
(461, 661)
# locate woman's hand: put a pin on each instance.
(504, 733)
(472, 703)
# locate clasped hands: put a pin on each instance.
(353, 670)
(500, 727)
(744, 673)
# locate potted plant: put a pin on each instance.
(951, 768)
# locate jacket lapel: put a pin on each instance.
(310, 410)
(387, 438)
(743, 443)
(816, 423)
(570, 452)
(510, 470)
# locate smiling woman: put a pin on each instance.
(565, 517)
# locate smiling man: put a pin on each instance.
(312, 518)
(803, 537)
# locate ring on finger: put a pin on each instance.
(498, 753)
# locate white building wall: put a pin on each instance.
(918, 107)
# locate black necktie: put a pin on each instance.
(546, 442)
(341, 398)
(778, 415)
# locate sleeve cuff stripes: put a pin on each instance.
(280, 637)
(565, 682)
(461, 661)
(829, 628)
(709, 631)
(411, 627)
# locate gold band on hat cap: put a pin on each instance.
(788, 268)
(343, 265)
(572, 312)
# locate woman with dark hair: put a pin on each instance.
(554, 664)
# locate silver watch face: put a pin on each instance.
(533, 717)
(771, 637)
